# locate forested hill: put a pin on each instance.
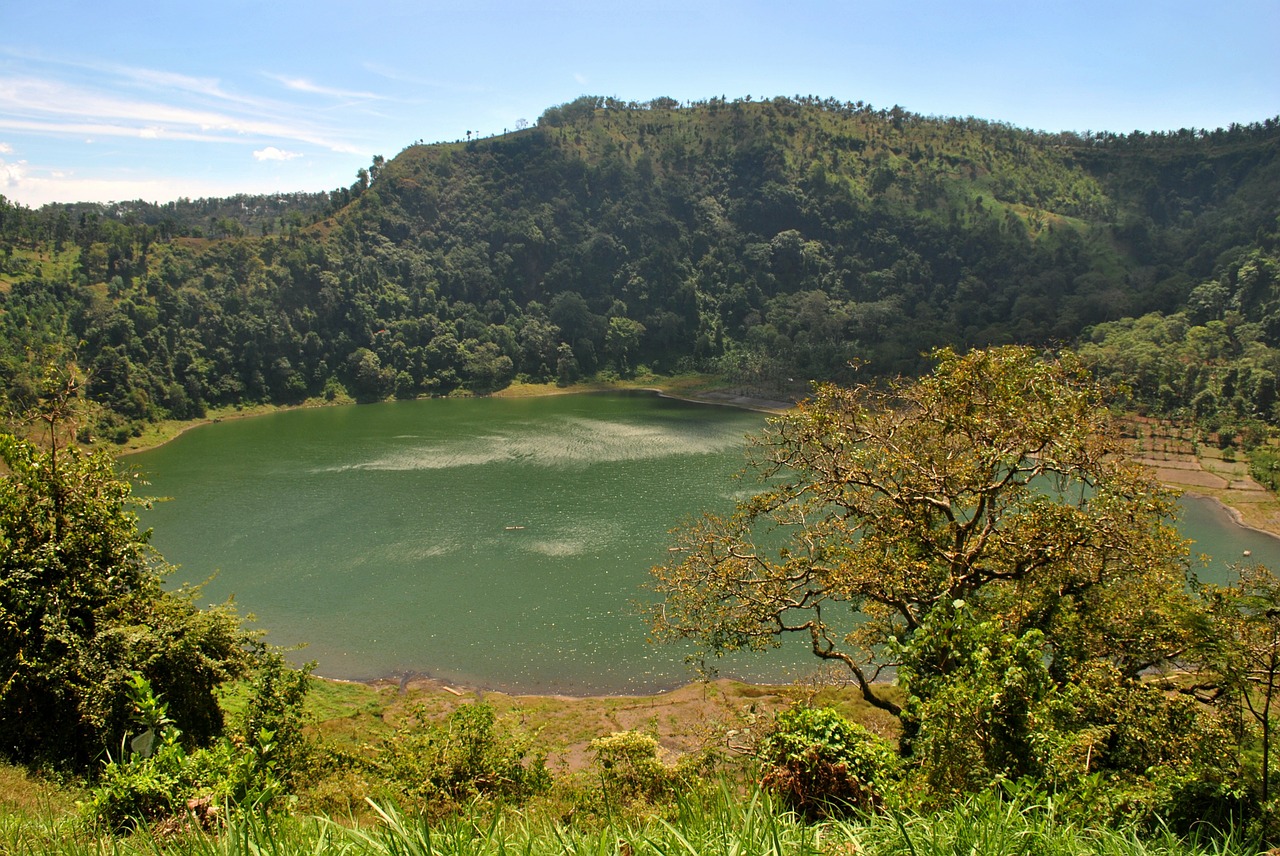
(772, 241)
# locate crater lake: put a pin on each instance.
(493, 542)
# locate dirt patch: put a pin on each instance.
(1188, 478)
(1190, 464)
(1180, 461)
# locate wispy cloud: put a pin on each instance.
(416, 80)
(125, 101)
(174, 82)
(301, 84)
(92, 131)
(20, 182)
(114, 75)
(6, 149)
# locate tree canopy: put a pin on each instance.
(993, 482)
(762, 240)
(979, 535)
(83, 612)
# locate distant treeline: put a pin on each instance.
(772, 242)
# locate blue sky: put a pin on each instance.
(155, 99)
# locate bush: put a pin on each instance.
(1264, 466)
(1133, 752)
(273, 715)
(822, 765)
(437, 767)
(154, 778)
(84, 608)
(972, 689)
(630, 770)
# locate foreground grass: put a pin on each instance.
(723, 822)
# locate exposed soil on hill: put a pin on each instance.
(1180, 461)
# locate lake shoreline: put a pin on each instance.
(681, 718)
(697, 389)
(1238, 516)
(1250, 505)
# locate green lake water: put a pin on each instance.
(501, 543)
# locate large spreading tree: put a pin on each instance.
(979, 534)
(996, 481)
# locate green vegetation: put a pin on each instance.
(721, 823)
(1061, 682)
(980, 531)
(821, 764)
(1213, 363)
(994, 482)
(1054, 666)
(83, 615)
(769, 242)
(108, 676)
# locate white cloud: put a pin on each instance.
(11, 174)
(271, 153)
(47, 105)
(6, 149)
(23, 185)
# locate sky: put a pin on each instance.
(112, 100)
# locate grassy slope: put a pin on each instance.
(718, 817)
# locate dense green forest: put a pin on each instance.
(770, 242)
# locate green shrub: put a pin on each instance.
(153, 777)
(1131, 752)
(972, 688)
(273, 718)
(822, 765)
(83, 607)
(436, 767)
(1264, 466)
(629, 769)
